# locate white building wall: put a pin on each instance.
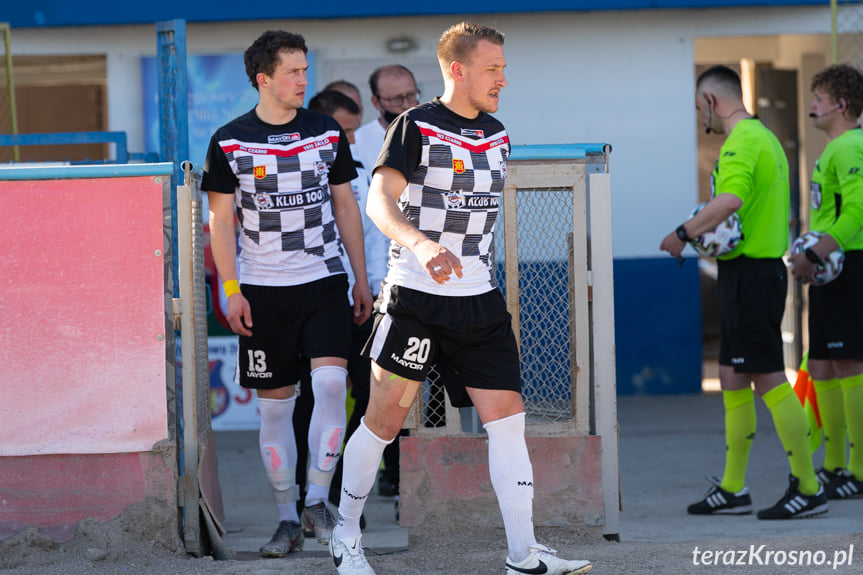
(625, 78)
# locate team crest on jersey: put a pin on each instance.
(454, 199)
(263, 201)
(321, 168)
(260, 172)
(815, 195)
(475, 133)
(458, 166)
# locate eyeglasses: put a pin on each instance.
(411, 98)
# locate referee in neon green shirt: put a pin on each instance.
(750, 178)
(836, 309)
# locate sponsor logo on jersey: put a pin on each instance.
(259, 374)
(279, 138)
(738, 361)
(459, 200)
(853, 171)
(260, 172)
(835, 344)
(454, 199)
(252, 150)
(502, 166)
(476, 133)
(321, 168)
(294, 200)
(458, 166)
(481, 202)
(815, 195)
(317, 144)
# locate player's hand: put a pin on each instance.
(802, 269)
(362, 303)
(672, 244)
(239, 315)
(439, 262)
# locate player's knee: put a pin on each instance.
(329, 383)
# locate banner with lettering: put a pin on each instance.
(232, 407)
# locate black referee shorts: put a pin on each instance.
(836, 313)
(751, 303)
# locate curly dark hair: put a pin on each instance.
(265, 52)
(842, 81)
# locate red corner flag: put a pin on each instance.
(805, 391)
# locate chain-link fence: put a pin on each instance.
(847, 27)
(544, 230)
(8, 124)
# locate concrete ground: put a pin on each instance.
(667, 445)
(251, 518)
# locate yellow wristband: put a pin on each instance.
(231, 287)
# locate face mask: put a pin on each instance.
(389, 116)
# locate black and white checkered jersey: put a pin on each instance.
(455, 168)
(281, 177)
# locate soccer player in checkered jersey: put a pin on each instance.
(836, 309)
(750, 178)
(435, 193)
(286, 173)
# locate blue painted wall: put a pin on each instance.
(657, 322)
(37, 13)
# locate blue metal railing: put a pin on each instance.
(121, 150)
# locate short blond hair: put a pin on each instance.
(458, 42)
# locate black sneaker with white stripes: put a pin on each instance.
(840, 484)
(721, 502)
(795, 505)
(826, 477)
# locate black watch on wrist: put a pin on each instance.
(681, 233)
(813, 257)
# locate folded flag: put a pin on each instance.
(804, 388)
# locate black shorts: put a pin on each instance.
(751, 303)
(836, 313)
(359, 367)
(312, 319)
(468, 339)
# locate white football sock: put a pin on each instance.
(512, 478)
(326, 429)
(279, 453)
(359, 468)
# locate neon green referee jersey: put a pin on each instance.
(836, 194)
(752, 166)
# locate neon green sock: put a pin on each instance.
(792, 426)
(832, 411)
(739, 433)
(852, 395)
